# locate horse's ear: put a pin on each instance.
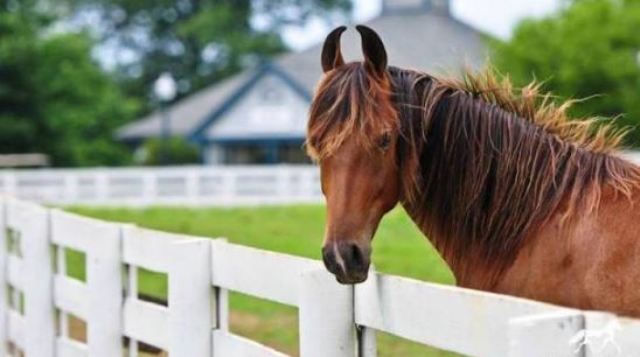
(375, 56)
(331, 54)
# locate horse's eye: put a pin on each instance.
(384, 141)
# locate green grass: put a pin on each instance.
(399, 248)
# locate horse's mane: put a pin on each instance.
(482, 165)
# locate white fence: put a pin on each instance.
(334, 320)
(178, 185)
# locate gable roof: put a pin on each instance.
(197, 134)
(429, 41)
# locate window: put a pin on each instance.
(271, 95)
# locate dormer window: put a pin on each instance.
(271, 95)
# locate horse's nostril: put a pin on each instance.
(329, 259)
(348, 261)
(356, 256)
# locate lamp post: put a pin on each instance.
(165, 91)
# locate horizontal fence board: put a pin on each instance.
(260, 273)
(70, 295)
(148, 248)
(16, 328)
(228, 344)
(146, 322)
(547, 334)
(628, 338)
(69, 348)
(178, 185)
(15, 272)
(20, 214)
(460, 320)
(466, 321)
(611, 335)
(79, 233)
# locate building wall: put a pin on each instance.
(271, 109)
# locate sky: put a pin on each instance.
(496, 17)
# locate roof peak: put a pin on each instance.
(401, 7)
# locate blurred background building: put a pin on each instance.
(87, 83)
(259, 115)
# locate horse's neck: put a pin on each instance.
(470, 272)
(458, 206)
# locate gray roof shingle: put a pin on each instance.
(428, 41)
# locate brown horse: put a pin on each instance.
(517, 197)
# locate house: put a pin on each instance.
(259, 116)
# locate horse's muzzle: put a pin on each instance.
(349, 262)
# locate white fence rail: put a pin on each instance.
(179, 185)
(38, 296)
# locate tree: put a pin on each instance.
(198, 41)
(54, 98)
(589, 49)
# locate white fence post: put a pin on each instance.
(192, 186)
(326, 316)
(3, 278)
(190, 298)
(102, 186)
(70, 191)
(10, 186)
(367, 346)
(149, 189)
(105, 290)
(549, 334)
(39, 309)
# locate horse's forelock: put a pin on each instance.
(349, 104)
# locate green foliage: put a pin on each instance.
(54, 98)
(198, 41)
(175, 151)
(590, 50)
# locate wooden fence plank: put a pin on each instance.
(4, 278)
(610, 335)
(33, 225)
(99, 300)
(228, 344)
(326, 316)
(460, 320)
(16, 328)
(146, 322)
(466, 321)
(178, 185)
(14, 272)
(234, 267)
(105, 294)
(367, 345)
(190, 298)
(71, 295)
(148, 248)
(70, 348)
(628, 338)
(547, 334)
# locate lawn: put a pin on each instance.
(398, 248)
